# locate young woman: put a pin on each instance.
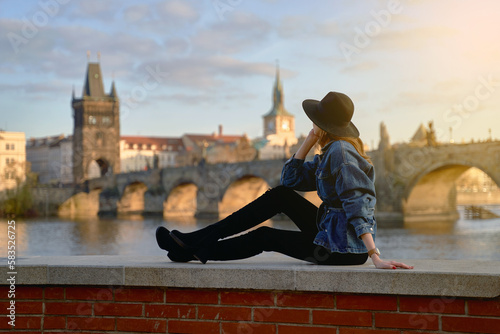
(340, 232)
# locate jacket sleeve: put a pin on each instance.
(357, 193)
(300, 175)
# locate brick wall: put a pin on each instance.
(62, 309)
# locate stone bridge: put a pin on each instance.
(413, 183)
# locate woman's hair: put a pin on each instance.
(327, 137)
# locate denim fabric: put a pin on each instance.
(345, 182)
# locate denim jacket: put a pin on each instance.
(345, 182)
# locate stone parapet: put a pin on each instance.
(267, 294)
(479, 279)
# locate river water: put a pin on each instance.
(462, 239)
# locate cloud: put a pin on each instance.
(208, 72)
(94, 9)
(363, 66)
(238, 33)
(136, 13)
(413, 38)
(179, 9)
(295, 26)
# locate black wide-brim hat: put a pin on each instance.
(332, 114)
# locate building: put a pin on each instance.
(96, 134)
(143, 153)
(51, 159)
(279, 127)
(12, 159)
(217, 148)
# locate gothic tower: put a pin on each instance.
(279, 124)
(96, 133)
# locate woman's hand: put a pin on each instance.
(316, 130)
(381, 264)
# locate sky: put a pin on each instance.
(184, 66)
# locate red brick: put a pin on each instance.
(91, 324)
(281, 315)
(32, 332)
(189, 327)
(484, 307)
(141, 325)
(359, 302)
(247, 298)
(28, 322)
(139, 295)
(310, 300)
(4, 324)
(29, 292)
(54, 293)
(471, 325)
(71, 308)
(4, 291)
(224, 313)
(85, 293)
(247, 328)
(170, 311)
(118, 309)
(368, 331)
(192, 297)
(4, 306)
(409, 321)
(431, 305)
(54, 322)
(29, 307)
(342, 318)
(286, 329)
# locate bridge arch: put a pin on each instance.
(132, 199)
(431, 194)
(81, 204)
(240, 192)
(180, 200)
(98, 167)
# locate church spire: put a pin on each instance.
(278, 98)
(113, 93)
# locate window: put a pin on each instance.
(106, 120)
(7, 147)
(92, 120)
(12, 147)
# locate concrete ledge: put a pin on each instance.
(480, 279)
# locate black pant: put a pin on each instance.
(296, 244)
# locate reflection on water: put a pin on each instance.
(463, 239)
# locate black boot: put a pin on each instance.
(251, 215)
(175, 252)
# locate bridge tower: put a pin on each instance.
(96, 133)
(279, 124)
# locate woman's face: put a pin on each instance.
(317, 130)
